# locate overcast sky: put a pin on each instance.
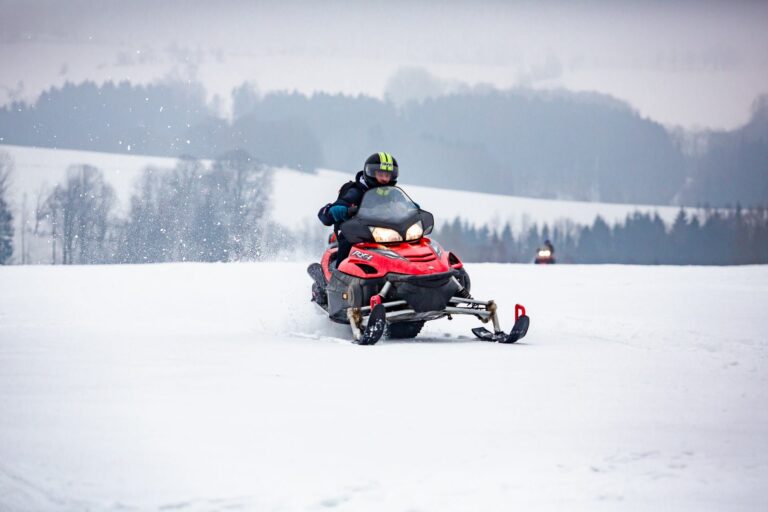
(687, 63)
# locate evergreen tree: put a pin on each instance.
(739, 237)
(507, 244)
(679, 238)
(595, 243)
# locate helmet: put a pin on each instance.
(380, 163)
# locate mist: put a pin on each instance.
(689, 64)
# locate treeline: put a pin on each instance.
(532, 143)
(732, 167)
(556, 144)
(188, 213)
(149, 119)
(219, 212)
(737, 237)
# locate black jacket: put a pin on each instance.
(350, 194)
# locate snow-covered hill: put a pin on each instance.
(297, 196)
(37, 169)
(219, 387)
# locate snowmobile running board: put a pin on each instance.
(368, 322)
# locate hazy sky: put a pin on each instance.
(689, 63)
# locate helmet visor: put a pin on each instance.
(376, 170)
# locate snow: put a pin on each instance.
(220, 386)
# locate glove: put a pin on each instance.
(324, 216)
(339, 212)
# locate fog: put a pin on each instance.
(689, 64)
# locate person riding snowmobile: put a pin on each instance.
(545, 253)
(380, 169)
(394, 278)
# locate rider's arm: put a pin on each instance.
(346, 205)
(337, 211)
(349, 197)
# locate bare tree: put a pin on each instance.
(6, 216)
(244, 188)
(79, 215)
(182, 190)
(191, 213)
(163, 216)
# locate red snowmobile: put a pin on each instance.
(545, 255)
(395, 278)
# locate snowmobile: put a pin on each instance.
(544, 255)
(395, 278)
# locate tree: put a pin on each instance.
(192, 213)
(143, 239)
(241, 186)
(680, 240)
(6, 216)
(596, 243)
(162, 222)
(78, 213)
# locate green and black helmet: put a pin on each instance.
(381, 164)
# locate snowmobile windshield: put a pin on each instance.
(387, 215)
(386, 205)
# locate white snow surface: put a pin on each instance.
(220, 386)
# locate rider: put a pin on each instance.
(380, 169)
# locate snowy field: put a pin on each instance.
(219, 387)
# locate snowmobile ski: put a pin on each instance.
(377, 322)
(518, 331)
(319, 295)
(315, 271)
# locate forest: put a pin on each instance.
(547, 144)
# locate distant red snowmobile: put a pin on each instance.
(396, 279)
(544, 256)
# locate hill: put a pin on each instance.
(296, 196)
(731, 167)
(556, 144)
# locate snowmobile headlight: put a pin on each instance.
(414, 232)
(384, 235)
(545, 253)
